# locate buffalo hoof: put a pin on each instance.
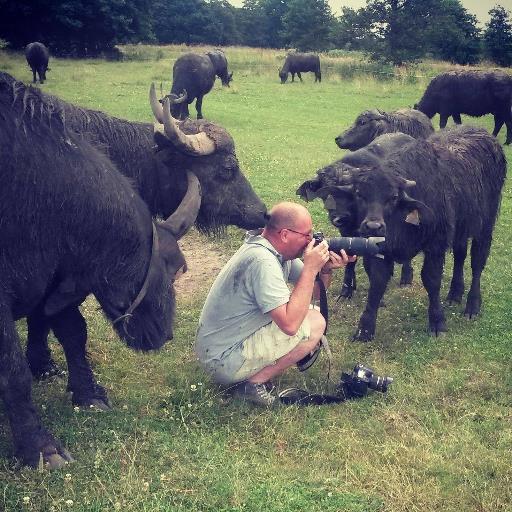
(346, 292)
(363, 336)
(97, 400)
(406, 278)
(47, 370)
(438, 330)
(47, 452)
(59, 460)
(472, 308)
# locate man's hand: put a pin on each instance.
(315, 257)
(337, 261)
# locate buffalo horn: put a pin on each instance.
(408, 183)
(198, 144)
(183, 218)
(178, 99)
(156, 107)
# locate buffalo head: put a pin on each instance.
(366, 127)
(208, 151)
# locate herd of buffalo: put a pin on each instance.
(93, 204)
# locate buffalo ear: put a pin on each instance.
(417, 212)
(307, 191)
(65, 295)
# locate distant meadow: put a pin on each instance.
(439, 440)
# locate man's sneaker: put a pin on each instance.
(255, 393)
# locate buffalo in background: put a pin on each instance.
(220, 65)
(73, 225)
(37, 56)
(160, 175)
(372, 123)
(300, 63)
(429, 196)
(193, 76)
(342, 214)
(474, 93)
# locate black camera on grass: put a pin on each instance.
(353, 245)
(362, 378)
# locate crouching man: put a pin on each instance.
(252, 328)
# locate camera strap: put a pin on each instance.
(324, 307)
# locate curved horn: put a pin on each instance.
(156, 107)
(198, 144)
(408, 183)
(179, 99)
(183, 218)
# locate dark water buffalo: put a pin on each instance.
(37, 56)
(342, 212)
(220, 65)
(430, 196)
(160, 175)
(193, 76)
(372, 123)
(71, 225)
(474, 93)
(300, 63)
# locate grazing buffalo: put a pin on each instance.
(37, 56)
(71, 225)
(220, 65)
(300, 62)
(429, 196)
(343, 213)
(159, 174)
(372, 123)
(474, 93)
(193, 76)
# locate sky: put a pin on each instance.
(480, 8)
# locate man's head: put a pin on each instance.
(289, 229)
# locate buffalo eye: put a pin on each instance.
(228, 170)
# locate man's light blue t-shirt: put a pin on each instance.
(251, 284)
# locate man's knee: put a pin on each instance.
(317, 323)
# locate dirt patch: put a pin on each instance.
(204, 261)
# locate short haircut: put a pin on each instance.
(285, 215)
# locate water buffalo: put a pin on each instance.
(343, 213)
(372, 123)
(220, 65)
(300, 62)
(429, 196)
(71, 225)
(37, 56)
(159, 172)
(193, 76)
(474, 93)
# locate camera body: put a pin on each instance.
(362, 378)
(359, 246)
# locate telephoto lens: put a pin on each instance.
(359, 246)
(375, 382)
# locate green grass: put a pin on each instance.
(439, 440)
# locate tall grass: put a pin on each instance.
(439, 440)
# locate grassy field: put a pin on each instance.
(439, 440)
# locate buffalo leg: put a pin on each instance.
(293, 77)
(431, 275)
(407, 274)
(443, 119)
(508, 122)
(457, 119)
(480, 248)
(349, 281)
(199, 104)
(379, 272)
(71, 330)
(31, 440)
(38, 354)
(299, 75)
(460, 250)
(34, 78)
(498, 123)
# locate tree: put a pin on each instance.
(221, 29)
(498, 36)
(453, 34)
(80, 27)
(251, 21)
(352, 29)
(307, 24)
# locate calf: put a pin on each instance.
(37, 56)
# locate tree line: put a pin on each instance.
(392, 31)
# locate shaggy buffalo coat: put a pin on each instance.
(297, 63)
(158, 169)
(37, 56)
(70, 225)
(474, 93)
(430, 196)
(372, 123)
